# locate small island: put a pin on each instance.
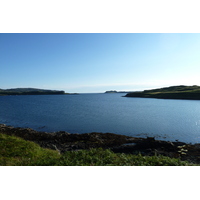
(114, 91)
(111, 91)
(173, 92)
(29, 91)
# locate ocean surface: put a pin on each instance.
(84, 113)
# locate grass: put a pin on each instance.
(100, 157)
(15, 151)
(173, 92)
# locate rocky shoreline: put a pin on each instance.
(64, 141)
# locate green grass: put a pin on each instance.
(18, 152)
(173, 92)
(100, 157)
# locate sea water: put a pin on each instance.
(84, 113)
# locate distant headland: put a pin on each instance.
(29, 91)
(173, 92)
(114, 91)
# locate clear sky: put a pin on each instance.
(92, 62)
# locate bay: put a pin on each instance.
(84, 113)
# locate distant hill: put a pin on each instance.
(29, 91)
(111, 91)
(173, 92)
(114, 91)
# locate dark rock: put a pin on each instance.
(64, 141)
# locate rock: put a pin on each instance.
(64, 141)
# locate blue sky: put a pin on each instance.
(92, 62)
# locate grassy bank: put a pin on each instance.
(173, 92)
(15, 151)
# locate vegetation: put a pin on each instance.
(173, 92)
(29, 91)
(16, 151)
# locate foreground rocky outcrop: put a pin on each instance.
(63, 141)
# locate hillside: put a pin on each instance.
(173, 92)
(29, 91)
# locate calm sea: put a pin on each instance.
(164, 119)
